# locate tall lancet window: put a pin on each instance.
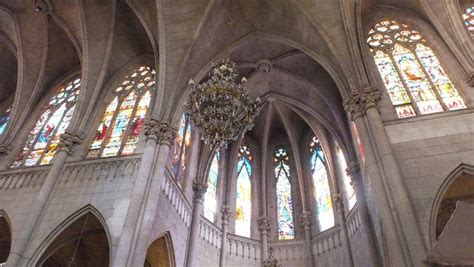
(4, 120)
(122, 122)
(243, 209)
(42, 142)
(286, 227)
(324, 210)
(415, 80)
(468, 18)
(210, 198)
(350, 194)
(181, 148)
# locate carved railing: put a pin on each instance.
(327, 241)
(210, 233)
(30, 177)
(353, 221)
(100, 170)
(290, 250)
(177, 198)
(243, 248)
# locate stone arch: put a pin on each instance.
(83, 234)
(5, 236)
(458, 185)
(160, 253)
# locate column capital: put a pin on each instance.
(225, 211)
(338, 202)
(306, 219)
(365, 98)
(167, 134)
(67, 141)
(199, 190)
(470, 80)
(152, 129)
(354, 107)
(263, 224)
(4, 150)
(162, 132)
(353, 171)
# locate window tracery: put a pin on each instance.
(243, 208)
(349, 190)
(210, 199)
(43, 140)
(120, 127)
(4, 120)
(468, 18)
(181, 148)
(413, 76)
(324, 207)
(286, 228)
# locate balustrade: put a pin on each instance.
(176, 197)
(327, 241)
(243, 248)
(25, 177)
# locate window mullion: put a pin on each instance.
(52, 135)
(33, 143)
(111, 126)
(130, 121)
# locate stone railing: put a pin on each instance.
(327, 241)
(3, 264)
(286, 251)
(25, 177)
(176, 198)
(210, 233)
(353, 221)
(243, 248)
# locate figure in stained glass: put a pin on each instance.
(243, 207)
(412, 74)
(286, 228)
(181, 149)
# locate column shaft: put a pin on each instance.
(225, 210)
(198, 207)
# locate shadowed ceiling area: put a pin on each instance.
(8, 70)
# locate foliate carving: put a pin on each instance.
(352, 171)
(225, 210)
(199, 190)
(167, 134)
(306, 219)
(151, 129)
(370, 97)
(366, 98)
(263, 224)
(161, 132)
(470, 80)
(67, 141)
(354, 106)
(338, 202)
(4, 150)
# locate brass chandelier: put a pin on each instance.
(221, 107)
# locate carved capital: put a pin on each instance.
(263, 224)
(470, 80)
(354, 106)
(67, 141)
(225, 211)
(370, 97)
(338, 202)
(199, 190)
(152, 129)
(306, 219)
(167, 134)
(4, 150)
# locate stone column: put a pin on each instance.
(123, 255)
(225, 210)
(264, 227)
(353, 171)
(339, 205)
(396, 186)
(394, 249)
(306, 223)
(166, 137)
(20, 246)
(199, 190)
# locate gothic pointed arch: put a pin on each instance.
(81, 239)
(5, 236)
(284, 199)
(243, 209)
(160, 253)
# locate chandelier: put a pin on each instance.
(220, 106)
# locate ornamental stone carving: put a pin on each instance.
(263, 224)
(352, 171)
(370, 97)
(361, 101)
(151, 129)
(354, 107)
(67, 141)
(167, 134)
(4, 150)
(338, 202)
(306, 219)
(199, 190)
(470, 80)
(225, 210)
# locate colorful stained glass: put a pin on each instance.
(349, 189)
(286, 228)
(324, 208)
(468, 18)
(121, 125)
(181, 149)
(210, 199)
(411, 71)
(243, 209)
(42, 142)
(4, 120)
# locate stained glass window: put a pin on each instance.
(181, 149)
(43, 140)
(324, 210)
(286, 227)
(122, 122)
(243, 209)
(413, 76)
(468, 18)
(350, 194)
(210, 199)
(4, 120)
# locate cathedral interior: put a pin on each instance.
(360, 153)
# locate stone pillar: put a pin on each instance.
(20, 246)
(225, 210)
(339, 205)
(396, 186)
(394, 249)
(167, 135)
(123, 255)
(353, 171)
(264, 227)
(306, 223)
(199, 190)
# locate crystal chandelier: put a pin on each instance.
(221, 107)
